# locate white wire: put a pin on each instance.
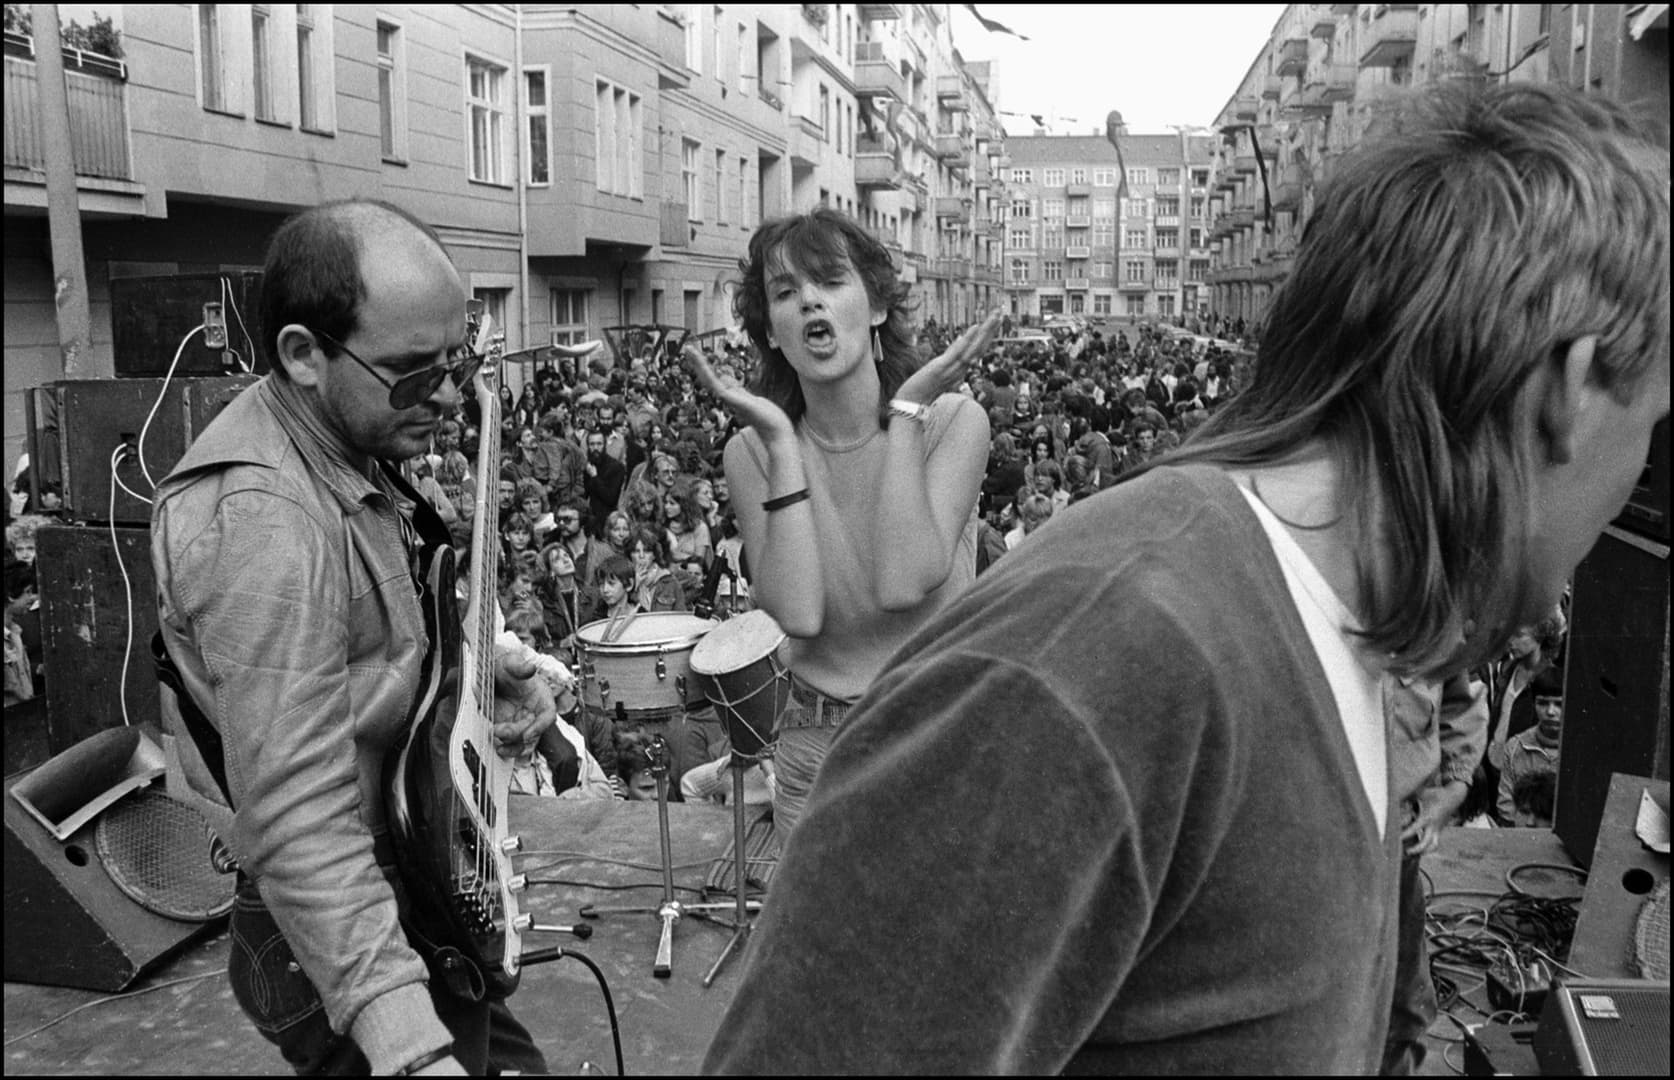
(127, 586)
(249, 365)
(155, 404)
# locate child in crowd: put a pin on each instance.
(558, 763)
(1535, 751)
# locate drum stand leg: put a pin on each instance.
(741, 925)
(671, 910)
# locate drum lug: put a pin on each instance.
(680, 687)
(604, 689)
(662, 669)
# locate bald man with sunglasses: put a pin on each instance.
(285, 546)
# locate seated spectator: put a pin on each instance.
(712, 782)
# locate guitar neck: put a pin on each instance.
(485, 530)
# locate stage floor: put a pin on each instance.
(190, 1025)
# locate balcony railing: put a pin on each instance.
(674, 226)
(1287, 193)
(1270, 87)
(950, 146)
(954, 208)
(950, 91)
(1324, 24)
(875, 75)
(875, 169)
(880, 12)
(1293, 57)
(1078, 251)
(1078, 284)
(98, 121)
(1336, 82)
(1074, 189)
(1390, 36)
(1245, 107)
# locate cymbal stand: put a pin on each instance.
(741, 923)
(670, 910)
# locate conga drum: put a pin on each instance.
(737, 666)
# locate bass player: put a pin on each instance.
(289, 599)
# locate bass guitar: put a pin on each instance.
(445, 787)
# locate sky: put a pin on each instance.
(1160, 65)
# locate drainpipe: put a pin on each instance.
(69, 264)
(522, 186)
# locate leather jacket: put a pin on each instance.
(286, 597)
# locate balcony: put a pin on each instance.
(1271, 86)
(98, 100)
(1245, 107)
(1390, 37)
(908, 197)
(1168, 221)
(1245, 163)
(950, 91)
(874, 169)
(1335, 82)
(1078, 221)
(1243, 217)
(888, 239)
(880, 12)
(1344, 9)
(675, 229)
(951, 146)
(953, 208)
(1084, 191)
(1324, 24)
(875, 75)
(1078, 251)
(1135, 286)
(1167, 284)
(1166, 251)
(1287, 193)
(1078, 284)
(1293, 57)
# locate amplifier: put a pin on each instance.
(76, 424)
(1604, 1027)
(150, 316)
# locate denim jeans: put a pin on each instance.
(281, 1001)
(1413, 1009)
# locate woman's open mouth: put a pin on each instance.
(820, 337)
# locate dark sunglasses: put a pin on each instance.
(417, 387)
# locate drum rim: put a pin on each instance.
(644, 648)
(773, 650)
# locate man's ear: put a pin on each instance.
(1565, 398)
(300, 354)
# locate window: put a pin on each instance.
(212, 58)
(1052, 236)
(1168, 238)
(743, 192)
(689, 179)
(1020, 271)
(1052, 209)
(1052, 178)
(1104, 209)
(1101, 304)
(1200, 178)
(1135, 270)
(1168, 177)
(569, 316)
(261, 61)
(715, 31)
(494, 305)
(617, 121)
(1104, 270)
(1134, 238)
(1197, 237)
(1165, 304)
(745, 55)
(1104, 233)
(720, 187)
(392, 92)
(536, 138)
(1197, 270)
(1021, 238)
(694, 37)
(1104, 177)
(1078, 176)
(825, 111)
(1168, 205)
(485, 119)
(1197, 206)
(1168, 272)
(1022, 208)
(1135, 304)
(312, 70)
(1022, 176)
(1139, 176)
(1052, 270)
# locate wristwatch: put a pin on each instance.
(912, 410)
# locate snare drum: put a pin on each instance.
(737, 666)
(646, 671)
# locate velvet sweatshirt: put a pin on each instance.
(1097, 815)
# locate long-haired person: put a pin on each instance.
(1458, 385)
(856, 482)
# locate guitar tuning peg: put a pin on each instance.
(517, 883)
(511, 845)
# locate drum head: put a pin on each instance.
(736, 643)
(648, 628)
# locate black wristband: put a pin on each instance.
(785, 500)
(425, 1061)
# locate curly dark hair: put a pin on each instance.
(818, 243)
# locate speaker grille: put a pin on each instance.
(1650, 936)
(156, 850)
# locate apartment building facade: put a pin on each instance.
(1327, 70)
(1073, 246)
(586, 165)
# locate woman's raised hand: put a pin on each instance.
(752, 410)
(947, 371)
